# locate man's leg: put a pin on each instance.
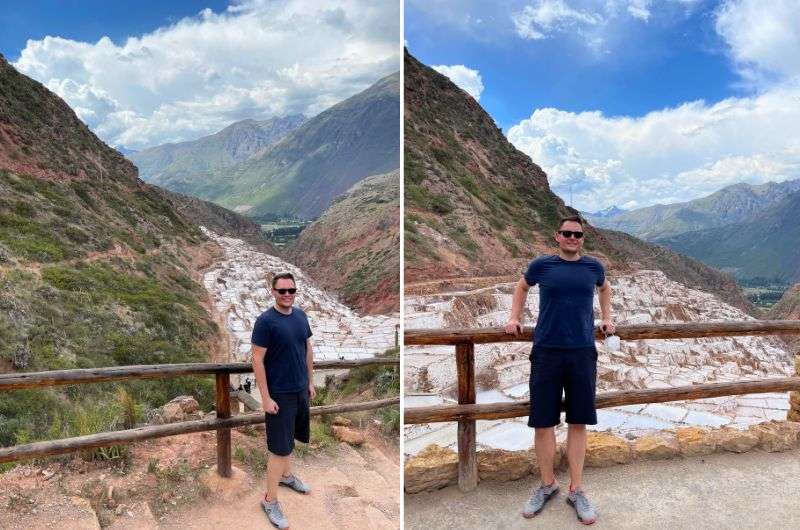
(545, 447)
(576, 453)
(277, 466)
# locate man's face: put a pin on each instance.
(571, 244)
(286, 299)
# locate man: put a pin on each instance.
(563, 357)
(283, 363)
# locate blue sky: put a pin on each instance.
(89, 20)
(628, 102)
(654, 64)
(140, 74)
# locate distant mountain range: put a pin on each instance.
(476, 206)
(611, 211)
(186, 167)
(765, 245)
(731, 204)
(726, 229)
(354, 247)
(297, 169)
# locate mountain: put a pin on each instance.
(190, 167)
(732, 204)
(611, 211)
(97, 268)
(354, 247)
(788, 308)
(765, 246)
(304, 172)
(476, 206)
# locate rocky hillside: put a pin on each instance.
(194, 167)
(764, 246)
(96, 269)
(218, 219)
(354, 247)
(732, 204)
(303, 173)
(788, 308)
(476, 206)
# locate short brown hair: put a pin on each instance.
(572, 218)
(282, 276)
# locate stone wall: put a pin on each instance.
(436, 467)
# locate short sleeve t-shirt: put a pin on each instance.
(566, 293)
(284, 337)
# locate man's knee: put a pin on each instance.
(544, 431)
(576, 427)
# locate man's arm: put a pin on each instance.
(605, 308)
(267, 403)
(513, 326)
(312, 391)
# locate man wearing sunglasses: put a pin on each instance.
(563, 358)
(283, 363)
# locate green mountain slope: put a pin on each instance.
(732, 204)
(766, 246)
(354, 247)
(475, 206)
(190, 167)
(96, 269)
(304, 172)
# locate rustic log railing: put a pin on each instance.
(467, 412)
(223, 423)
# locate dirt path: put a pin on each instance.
(750, 490)
(352, 488)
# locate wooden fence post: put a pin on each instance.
(467, 458)
(223, 435)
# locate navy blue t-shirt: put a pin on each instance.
(284, 337)
(566, 292)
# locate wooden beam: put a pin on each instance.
(247, 400)
(496, 411)
(467, 434)
(224, 435)
(16, 381)
(69, 445)
(426, 337)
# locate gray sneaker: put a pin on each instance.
(295, 483)
(583, 508)
(274, 513)
(538, 499)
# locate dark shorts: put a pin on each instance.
(291, 422)
(572, 370)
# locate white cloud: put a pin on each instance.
(674, 154)
(257, 59)
(547, 16)
(639, 9)
(764, 38)
(467, 79)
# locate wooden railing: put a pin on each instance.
(223, 423)
(467, 412)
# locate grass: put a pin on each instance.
(255, 459)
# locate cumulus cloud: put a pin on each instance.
(763, 39)
(256, 59)
(670, 155)
(686, 152)
(467, 79)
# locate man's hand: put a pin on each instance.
(607, 327)
(270, 407)
(513, 327)
(312, 391)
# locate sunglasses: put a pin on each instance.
(290, 290)
(570, 233)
